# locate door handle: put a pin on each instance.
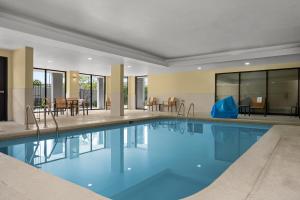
(2, 91)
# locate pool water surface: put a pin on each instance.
(155, 159)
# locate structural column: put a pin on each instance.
(131, 92)
(117, 98)
(22, 63)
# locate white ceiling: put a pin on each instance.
(149, 35)
(52, 54)
(57, 55)
(171, 28)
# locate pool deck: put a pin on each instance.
(269, 170)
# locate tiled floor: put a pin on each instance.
(103, 117)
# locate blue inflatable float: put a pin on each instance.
(225, 108)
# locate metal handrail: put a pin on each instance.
(53, 118)
(191, 106)
(181, 106)
(28, 107)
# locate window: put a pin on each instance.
(98, 92)
(253, 86)
(48, 84)
(141, 90)
(227, 85)
(278, 89)
(125, 92)
(92, 89)
(282, 90)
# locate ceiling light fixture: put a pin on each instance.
(90, 58)
(50, 61)
(247, 63)
(199, 68)
(129, 66)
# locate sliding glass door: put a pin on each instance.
(277, 89)
(98, 92)
(141, 91)
(55, 84)
(125, 92)
(282, 90)
(92, 89)
(227, 85)
(253, 88)
(85, 87)
(48, 84)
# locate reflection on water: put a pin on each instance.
(174, 158)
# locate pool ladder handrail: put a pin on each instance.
(46, 109)
(183, 113)
(29, 108)
(192, 105)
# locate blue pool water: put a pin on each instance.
(157, 159)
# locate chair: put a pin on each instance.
(258, 104)
(82, 103)
(171, 102)
(245, 105)
(152, 102)
(73, 105)
(60, 105)
(47, 104)
(108, 103)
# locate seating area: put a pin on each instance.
(62, 105)
(170, 104)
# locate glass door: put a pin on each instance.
(55, 85)
(141, 91)
(125, 92)
(283, 91)
(39, 89)
(98, 92)
(85, 88)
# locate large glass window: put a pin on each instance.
(253, 88)
(141, 91)
(227, 85)
(39, 91)
(92, 89)
(125, 92)
(98, 92)
(47, 84)
(267, 91)
(85, 87)
(282, 90)
(55, 84)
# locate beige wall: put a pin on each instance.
(108, 87)
(196, 86)
(8, 55)
(72, 84)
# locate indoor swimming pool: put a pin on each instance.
(155, 159)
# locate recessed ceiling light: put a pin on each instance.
(247, 63)
(90, 58)
(50, 61)
(129, 66)
(199, 68)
